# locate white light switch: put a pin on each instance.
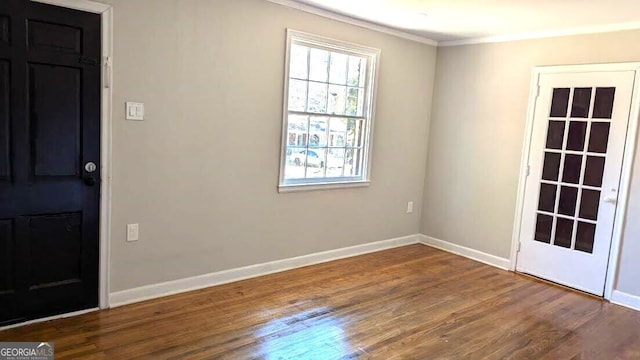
(135, 111)
(410, 207)
(132, 232)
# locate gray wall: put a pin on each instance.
(477, 131)
(200, 173)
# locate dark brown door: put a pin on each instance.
(49, 131)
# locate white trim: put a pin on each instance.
(324, 186)
(349, 20)
(627, 300)
(544, 34)
(82, 5)
(469, 253)
(627, 163)
(524, 166)
(226, 276)
(49, 318)
(106, 74)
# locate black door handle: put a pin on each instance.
(89, 180)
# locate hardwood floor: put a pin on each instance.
(413, 302)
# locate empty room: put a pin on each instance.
(319, 179)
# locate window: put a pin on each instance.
(328, 113)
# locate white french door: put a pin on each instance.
(575, 159)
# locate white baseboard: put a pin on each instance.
(61, 316)
(627, 300)
(226, 276)
(472, 254)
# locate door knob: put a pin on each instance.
(610, 200)
(90, 167)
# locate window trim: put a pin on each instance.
(371, 82)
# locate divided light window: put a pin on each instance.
(328, 117)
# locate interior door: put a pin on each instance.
(577, 147)
(49, 139)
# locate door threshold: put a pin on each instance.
(49, 318)
(533, 277)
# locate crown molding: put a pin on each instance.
(544, 34)
(349, 20)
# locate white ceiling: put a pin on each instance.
(455, 20)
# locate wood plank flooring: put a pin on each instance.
(413, 302)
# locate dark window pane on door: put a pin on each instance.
(599, 137)
(585, 237)
(559, 102)
(547, 201)
(572, 168)
(594, 171)
(551, 167)
(555, 135)
(564, 232)
(589, 204)
(603, 105)
(544, 224)
(577, 132)
(581, 102)
(568, 199)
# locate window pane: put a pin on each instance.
(572, 168)
(551, 167)
(585, 237)
(298, 60)
(581, 102)
(357, 68)
(555, 135)
(544, 225)
(589, 204)
(297, 95)
(594, 171)
(318, 131)
(319, 65)
(338, 69)
(599, 137)
(355, 97)
(354, 130)
(568, 199)
(337, 132)
(564, 232)
(560, 102)
(316, 159)
(603, 106)
(352, 162)
(577, 132)
(317, 97)
(547, 201)
(298, 130)
(337, 99)
(335, 162)
(294, 165)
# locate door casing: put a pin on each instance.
(627, 162)
(106, 101)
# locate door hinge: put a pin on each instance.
(108, 65)
(527, 171)
(538, 92)
(519, 246)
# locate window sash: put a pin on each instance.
(362, 147)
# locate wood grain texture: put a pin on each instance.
(413, 302)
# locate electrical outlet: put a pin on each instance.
(410, 207)
(132, 232)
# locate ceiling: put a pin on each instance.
(456, 20)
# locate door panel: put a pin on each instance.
(54, 94)
(50, 122)
(577, 147)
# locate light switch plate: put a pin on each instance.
(134, 111)
(132, 232)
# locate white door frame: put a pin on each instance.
(627, 162)
(106, 13)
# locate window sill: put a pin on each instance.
(285, 188)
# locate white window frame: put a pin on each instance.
(371, 79)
